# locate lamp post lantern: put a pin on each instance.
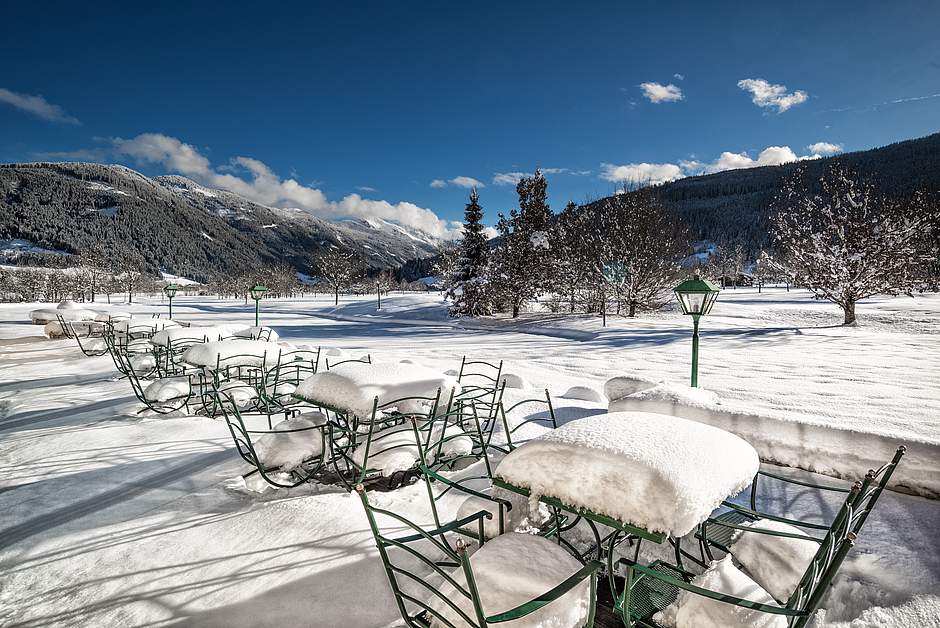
(170, 291)
(256, 293)
(696, 297)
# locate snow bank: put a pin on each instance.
(697, 611)
(821, 448)
(775, 562)
(353, 387)
(292, 442)
(233, 353)
(654, 471)
(511, 570)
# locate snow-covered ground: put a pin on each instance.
(108, 517)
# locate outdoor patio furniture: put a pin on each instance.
(287, 447)
(89, 335)
(364, 359)
(511, 426)
(436, 581)
(756, 592)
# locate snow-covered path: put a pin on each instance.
(111, 518)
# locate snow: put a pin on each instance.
(510, 380)
(233, 352)
(777, 563)
(657, 472)
(105, 316)
(238, 392)
(178, 279)
(513, 569)
(291, 442)
(176, 334)
(585, 393)
(697, 611)
(256, 332)
(353, 387)
(140, 325)
(167, 389)
(67, 310)
(111, 518)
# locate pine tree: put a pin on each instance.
(519, 268)
(468, 286)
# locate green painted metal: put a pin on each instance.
(695, 319)
(638, 603)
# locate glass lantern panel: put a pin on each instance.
(693, 302)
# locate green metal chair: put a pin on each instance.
(372, 445)
(424, 568)
(510, 427)
(286, 448)
(280, 381)
(651, 588)
(365, 359)
(89, 336)
(480, 382)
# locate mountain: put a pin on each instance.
(174, 224)
(734, 206)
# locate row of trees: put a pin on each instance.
(837, 236)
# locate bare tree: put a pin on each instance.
(338, 269)
(846, 241)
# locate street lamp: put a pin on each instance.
(170, 291)
(256, 293)
(696, 297)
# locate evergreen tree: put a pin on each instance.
(468, 287)
(519, 268)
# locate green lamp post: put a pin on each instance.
(256, 293)
(170, 291)
(696, 297)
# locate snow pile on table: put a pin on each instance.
(510, 380)
(395, 449)
(584, 393)
(513, 569)
(697, 611)
(68, 314)
(203, 334)
(143, 363)
(233, 353)
(140, 325)
(106, 316)
(237, 392)
(353, 387)
(167, 389)
(657, 472)
(292, 442)
(257, 333)
(777, 563)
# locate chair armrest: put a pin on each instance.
(714, 595)
(465, 489)
(588, 571)
(765, 515)
(737, 526)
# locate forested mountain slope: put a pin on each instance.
(175, 225)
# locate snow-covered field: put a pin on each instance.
(108, 517)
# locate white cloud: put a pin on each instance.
(460, 182)
(765, 94)
(641, 174)
(512, 178)
(37, 106)
(266, 187)
(365, 188)
(652, 174)
(490, 232)
(678, 77)
(825, 148)
(658, 93)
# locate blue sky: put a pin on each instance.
(388, 109)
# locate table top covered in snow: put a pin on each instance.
(234, 353)
(656, 472)
(352, 387)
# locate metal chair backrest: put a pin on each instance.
(365, 359)
(545, 418)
